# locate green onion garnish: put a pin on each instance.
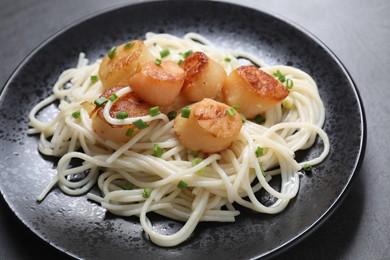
(113, 97)
(289, 84)
(129, 132)
(195, 162)
(191, 152)
(154, 111)
(111, 52)
(76, 114)
(94, 78)
(100, 101)
(182, 185)
(146, 193)
(164, 53)
(185, 112)
(121, 115)
(180, 62)
(236, 107)
(157, 62)
(187, 53)
(243, 118)
(172, 115)
(128, 186)
(128, 45)
(288, 102)
(259, 151)
(140, 124)
(280, 76)
(231, 112)
(307, 167)
(259, 119)
(157, 150)
(227, 59)
(262, 170)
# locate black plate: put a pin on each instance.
(83, 229)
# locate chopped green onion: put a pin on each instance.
(243, 118)
(262, 170)
(129, 132)
(172, 115)
(187, 53)
(146, 193)
(289, 84)
(113, 97)
(227, 59)
(94, 78)
(157, 62)
(259, 151)
(185, 112)
(195, 162)
(307, 167)
(259, 119)
(76, 114)
(280, 76)
(154, 111)
(140, 124)
(194, 153)
(182, 185)
(180, 62)
(111, 52)
(231, 112)
(157, 150)
(236, 107)
(128, 45)
(121, 115)
(288, 102)
(128, 186)
(100, 101)
(164, 53)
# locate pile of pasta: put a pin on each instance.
(153, 170)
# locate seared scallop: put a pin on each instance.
(253, 90)
(204, 77)
(211, 126)
(121, 63)
(129, 103)
(158, 84)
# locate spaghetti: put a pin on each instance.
(179, 184)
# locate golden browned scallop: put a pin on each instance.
(179, 103)
(254, 90)
(204, 77)
(158, 84)
(129, 103)
(211, 126)
(123, 63)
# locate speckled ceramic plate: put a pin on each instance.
(82, 229)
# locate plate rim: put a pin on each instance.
(363, 126)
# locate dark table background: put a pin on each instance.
(357, 31)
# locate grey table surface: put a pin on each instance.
(357, 31)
